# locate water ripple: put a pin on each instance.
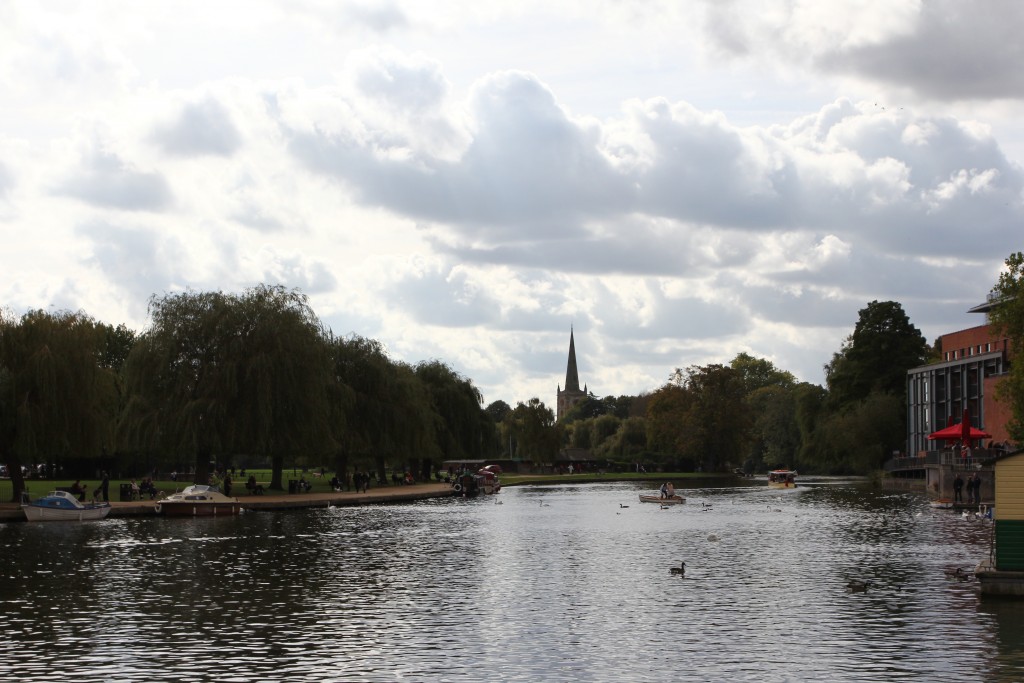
(557, 584)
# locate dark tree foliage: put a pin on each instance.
(1007, 318)
(229, 375)
(876, 357)
(809, 406)
(757, 373)
(117, 344)
(586, 408)
(461, 427)
(56, 401)
(532, 431)
(497, 411)
(669, 411)
(390, 414)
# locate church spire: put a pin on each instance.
(572, 377)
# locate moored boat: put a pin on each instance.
(668, 500)
(197, 500)
(57, 506)
(782, 479)
(942, 504)
(484, 481)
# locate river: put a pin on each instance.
(538, 583)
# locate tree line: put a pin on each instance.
(750, 415)
(225, 378)
(255, 377)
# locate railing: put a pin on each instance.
(948, 457)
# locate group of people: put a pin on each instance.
(138, 490)
(973, 485)
(668, 490)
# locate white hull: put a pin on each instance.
(35, 513)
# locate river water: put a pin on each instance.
(543, 583)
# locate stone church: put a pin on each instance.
(572, 394)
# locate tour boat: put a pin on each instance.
(670, 500)
(197, 500)
(782, 479)
(59, 506)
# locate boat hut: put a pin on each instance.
(1002, 573)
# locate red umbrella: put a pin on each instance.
(494, 468)
(955, 432)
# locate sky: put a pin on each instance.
(676, 181)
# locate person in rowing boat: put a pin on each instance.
(664, 490)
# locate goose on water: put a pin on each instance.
(856, 586)
(681, 569)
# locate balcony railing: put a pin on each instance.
(948, 457)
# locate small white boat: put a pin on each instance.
(197, 500)
(782, 479)
(61, 506)
(670, 500)
(942, 504)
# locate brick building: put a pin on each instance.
(973, 363)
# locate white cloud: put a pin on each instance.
(679, 181)
(203, 127)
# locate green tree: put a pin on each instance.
(231, 375)
(668, 419)
(586, 408)
(809, 407)
(1007, 318)
(775, 436)
(876, 357)
(757, 373)
(531, 426)
(461, 427)
(56, 400)
(718, 422)
(390, 413)
(859, 439)
(497, 411)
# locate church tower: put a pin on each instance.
(572, 394)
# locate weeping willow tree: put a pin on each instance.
(389, 412)
(230, 375)
(461, 426)
(56, 401)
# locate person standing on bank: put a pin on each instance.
(958, 488)
(976, 488)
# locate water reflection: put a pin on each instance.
(555, 584)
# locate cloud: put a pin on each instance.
(527, 170)
(627, 193)
(201, 128)
(138, 261)
(954, 51)
(104, 180)
(6, 180)
(378, 16)
(942, 49)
